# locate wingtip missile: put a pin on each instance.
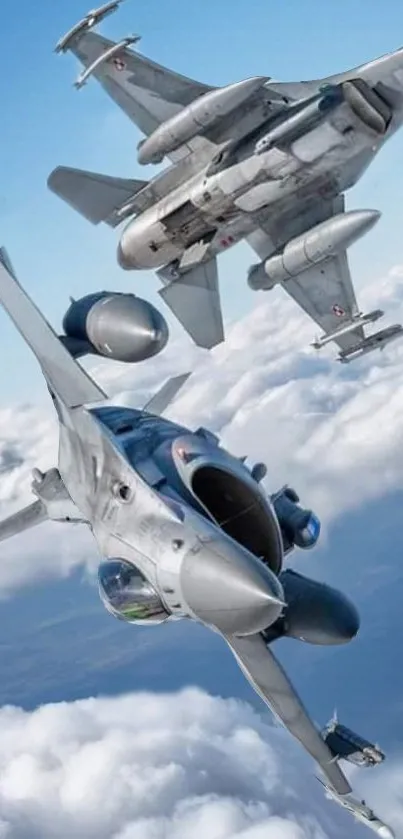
(377, 341)
(91, 19)
(112, 52)
(346, 327)
(360, 811)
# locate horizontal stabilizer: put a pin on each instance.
(194, 298)
(96, 197)
(64, 376)
(23, 520)
(160, 401)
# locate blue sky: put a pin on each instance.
(332, 435)
(45, 122)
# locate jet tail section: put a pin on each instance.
(96, 197)
(66, 379)
(194, 298)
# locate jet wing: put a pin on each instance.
(324, 291)
(23, 520)
(269, 680)
(147, 92)
(65, 377)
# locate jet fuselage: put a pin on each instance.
(319, 145)
(172, 511)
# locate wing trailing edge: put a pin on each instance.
(194, 298)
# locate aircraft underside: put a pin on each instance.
(262, 161)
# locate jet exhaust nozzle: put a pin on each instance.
(227, 587)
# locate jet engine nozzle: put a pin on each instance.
(227, 587)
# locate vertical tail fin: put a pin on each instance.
(160, 401)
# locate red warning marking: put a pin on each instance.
(225, 243)
(338, 311)
(119, 64)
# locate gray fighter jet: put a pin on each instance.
(185, 529)
(263, 161)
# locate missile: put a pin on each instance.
(311, 248)
(302, 119)
(374, 342)
(360, 811)
(358, 320)
(194, 118)
(115, 49)
(90, 20)
(97, 15)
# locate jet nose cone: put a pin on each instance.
(226, 587)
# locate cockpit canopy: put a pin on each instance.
(128, 595)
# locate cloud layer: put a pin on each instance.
(183, 766)
(334, 431)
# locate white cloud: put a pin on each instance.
(147, 766)
(334, 431)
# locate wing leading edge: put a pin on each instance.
(146, 92)
(65, 377)
(269, 680)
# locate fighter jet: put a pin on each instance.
(257, 160)
(185, 529)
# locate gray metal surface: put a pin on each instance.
(160, 401)
(316, 613)
(61, 371)
(270, 681)
(195, 300)
(148, 93)
(96, 197)
(29, 517)
(228, 588)
(183, 527)
(266, 167)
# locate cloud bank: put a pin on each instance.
(145, 766)
(333, 431)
